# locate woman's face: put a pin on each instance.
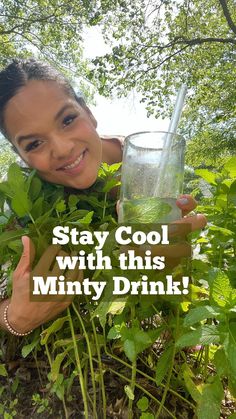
(54, 134)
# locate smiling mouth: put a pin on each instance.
(75, 163)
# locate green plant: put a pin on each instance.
(144, 343)
(42, 404)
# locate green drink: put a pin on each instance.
(151, 178)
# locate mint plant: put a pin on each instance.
(159, 349)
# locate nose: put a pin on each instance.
(61, 147)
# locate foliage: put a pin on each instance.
(145, 343)
(157, 45)
(211, 147)
(7, 157)
(176, 37)
(49, 30)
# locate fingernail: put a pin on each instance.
(183, 201)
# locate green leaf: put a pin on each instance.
(3, 371)
(143, 403)
(163, 364)
(113, 168)
(200, 313)
(189, 339)
(73, 201)
(230, 347)
(129, 392)
(205, 174)
(15, 178)
(5, 188)
(230, 166)
(20, 203)
(58, 386)
(190, 385)
(27, 349)
(210, 402)
(135, 341)
(61, 206)
(111, 184)
(232, 193)
(87, 219)
(232, 384)
(114, 332)
(223, 231)
(147, 415)
(204, 335)
(117, 306)
(56, 365)
(221, 363)
(109, 304)
(16, 246)
(54, 327)
(221, 289)
(130, 350)
(9, 236)
(35, 188)
(209, 334)
(37, 207)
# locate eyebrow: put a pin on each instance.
(57, 116)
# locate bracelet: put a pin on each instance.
(9, 328)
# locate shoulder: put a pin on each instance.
(113, 148)
(117, 139)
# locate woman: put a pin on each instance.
(55, 133)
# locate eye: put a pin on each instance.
(69, 119)
(32, 146)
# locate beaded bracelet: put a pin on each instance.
(8, 326)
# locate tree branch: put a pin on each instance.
(194, 41)
(199, 41)
(228, 17)
(154, 67)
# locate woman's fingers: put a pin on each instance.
(56, 270)
(196, 222)
(75, 275)
(27, 257)
(46, 260)
(186, 203)
(178, 250)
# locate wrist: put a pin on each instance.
(14, 323)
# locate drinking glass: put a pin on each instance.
(151, 177)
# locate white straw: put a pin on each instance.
(179, 104)
(167, 144)
(174, 122)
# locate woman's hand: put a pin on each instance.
(175, 251)
(187, 204)
(24, 314)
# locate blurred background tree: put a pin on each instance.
(159, 44)
(7, 156)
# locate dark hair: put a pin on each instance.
(19, 72)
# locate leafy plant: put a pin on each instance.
(157, 349)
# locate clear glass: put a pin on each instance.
(151, 177)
